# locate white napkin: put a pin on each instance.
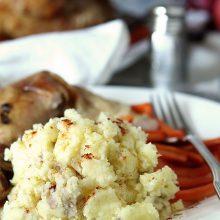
(86, 56)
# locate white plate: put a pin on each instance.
(205, 116)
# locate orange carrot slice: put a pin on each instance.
(145, 108)
(188, 182)
(196, 158)
(170, 132)
(212, 142)
(191, 172)
(156, 136)
(191, 156)
(196, 194)
(173, 156)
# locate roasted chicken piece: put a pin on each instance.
(5, 175)
(39, 8)
(4, 187)
(24, 17)
(32, 100)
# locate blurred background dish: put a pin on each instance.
(25, 17)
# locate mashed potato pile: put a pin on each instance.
(76, 168)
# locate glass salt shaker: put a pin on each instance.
(168, 47)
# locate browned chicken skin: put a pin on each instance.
(32, 100)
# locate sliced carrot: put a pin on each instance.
(188, 182)
(184, 170)
(173, 156)
(161, 163)
(196, 194)
(128, 118)
(191, 156)
(212, 142)
(156, 136)
(170, 148)
(188, 147)
(195, 157)
(191, 172)
(145, 108)
(217, 154)
(170, 132)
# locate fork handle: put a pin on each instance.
(206, 154)
(209, 158)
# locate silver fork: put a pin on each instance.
(167, 109)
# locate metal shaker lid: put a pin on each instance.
(169, 17)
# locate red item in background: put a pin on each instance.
(211, 6)
(216, 13)
(201, 4)
(138, 32)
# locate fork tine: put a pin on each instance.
(159, 107)
(156, 106)
(174, 113)
(162, 108)
(171, 111)
(181, 119)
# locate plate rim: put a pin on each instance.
(149, 89)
